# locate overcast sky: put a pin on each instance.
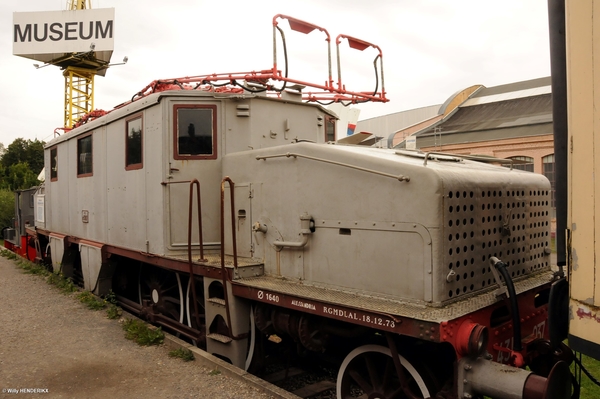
(431, 49)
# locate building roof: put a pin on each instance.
(513, 110)
(387, 124)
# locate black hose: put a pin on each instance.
(512, 296)
(285, 56)
(376, 75)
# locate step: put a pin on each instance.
(219, 337)
(218, 301)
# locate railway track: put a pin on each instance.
(310, 382)
(283, 377)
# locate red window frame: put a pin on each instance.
(138, 165)
(211, 107)
(54, 167)
(92, 154)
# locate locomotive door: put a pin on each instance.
(193, 154)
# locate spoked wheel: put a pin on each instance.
(163, 289)
(368, 372)
(199, 323)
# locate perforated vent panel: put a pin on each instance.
(512, 225)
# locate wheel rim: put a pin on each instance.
(369, 372)
(189, 306)
(251, 340)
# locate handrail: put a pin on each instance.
(290, 154)
(194, 182)
(224, 274)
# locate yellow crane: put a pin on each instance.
(79, 70)
(79, 76)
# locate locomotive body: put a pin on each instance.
(230, 216)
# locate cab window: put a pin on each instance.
(133, 143)
(195, 132)
(54, 164)
(84, 156)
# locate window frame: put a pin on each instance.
(330, 121)
(521, 166)
(139, 165)
(54, 171)
(213, 108)
(91, 152)
(552, 178)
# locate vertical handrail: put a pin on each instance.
(224, 275)
(194, 182)
(233, 234)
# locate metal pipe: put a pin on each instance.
(295, 155)
(304, 230)
(558, 68)
(294, 244)
(484, 377)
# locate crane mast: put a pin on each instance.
(79, 4)
(79, 80)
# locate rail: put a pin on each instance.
(224, 274)
(401, 178)
(194, 182)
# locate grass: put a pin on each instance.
(184, 354)
(113, 311)
(142, 333)
(91, 301)
(64, 284)
(58, 280)
(588, 388)
(8, 254)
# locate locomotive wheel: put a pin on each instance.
(369, 372)
(163, 289)
(189, 306)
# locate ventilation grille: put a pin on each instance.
(512, 225)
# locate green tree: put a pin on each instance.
(7, 208)
(24, 151)
(21, 163)
(19, 176)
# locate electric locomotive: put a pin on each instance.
(221, 208)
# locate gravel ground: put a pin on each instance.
(51, 342)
